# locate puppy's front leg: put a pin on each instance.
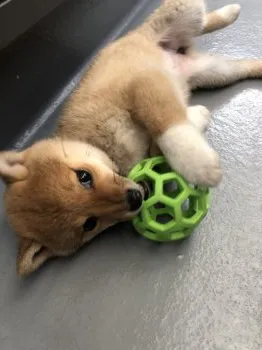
(158, 105)
(199, 116)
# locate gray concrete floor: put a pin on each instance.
(122, 292)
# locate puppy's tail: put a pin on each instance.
(175, 20)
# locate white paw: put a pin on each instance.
(199, 116)
(230, 12)
(188, 153)
(208, 170)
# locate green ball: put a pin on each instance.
(173, 207)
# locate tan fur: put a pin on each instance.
(154, 95)
(132, 102)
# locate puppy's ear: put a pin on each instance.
(12, 166)
(31, 256)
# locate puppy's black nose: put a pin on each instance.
(134, 199)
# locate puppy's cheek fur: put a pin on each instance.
(188, 153)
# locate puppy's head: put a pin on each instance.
(59, 195)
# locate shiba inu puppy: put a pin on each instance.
(131, 103)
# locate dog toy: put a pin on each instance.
(172, 208)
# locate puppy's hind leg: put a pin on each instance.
(221, 18)
(214, 71)
(175, 22)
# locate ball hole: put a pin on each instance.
(171, 189)
(162, 168)
(186, 205)
(189, 207)
(160, 205)
(164, 218)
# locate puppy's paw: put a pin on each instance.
(188, 153)
(199, 116)
(207, 171)
(230, 12)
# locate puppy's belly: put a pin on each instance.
(181, 67)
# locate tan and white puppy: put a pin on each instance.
(64, 190)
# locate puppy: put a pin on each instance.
(64, 190)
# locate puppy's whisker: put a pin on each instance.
(88, 151)
(63, 147)
(114, 177)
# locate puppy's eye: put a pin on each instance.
(90, 224)
(85, 178)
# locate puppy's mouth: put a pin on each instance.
(145, 189)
